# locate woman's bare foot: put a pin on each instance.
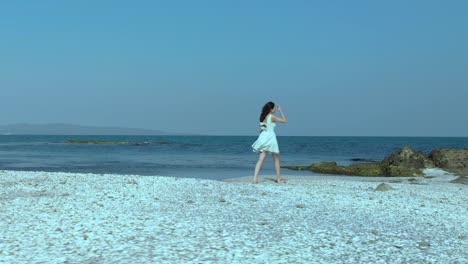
(255, 181)
(280, 181)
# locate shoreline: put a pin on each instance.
(430, 175)
(72, 217)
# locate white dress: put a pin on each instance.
(267, 139)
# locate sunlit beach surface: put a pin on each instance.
(90, 218)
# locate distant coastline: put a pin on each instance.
(72, 129)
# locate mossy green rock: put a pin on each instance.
(391, 170)
(97, 142)
(451, 160)
(404, 162)
(103, 142)
(407, 158)
(373, 169)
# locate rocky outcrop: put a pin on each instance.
(371, 169)
(452, 160)
(404, 162)
(102, 142)
(332, 168)
(97, 142)
(363, 160)
(407, 157)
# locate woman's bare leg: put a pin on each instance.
(278, 168)
(258, 167)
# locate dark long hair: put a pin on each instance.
(266, 110)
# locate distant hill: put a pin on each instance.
(70, 129)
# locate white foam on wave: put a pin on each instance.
(436, 172)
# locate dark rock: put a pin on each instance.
(328, 168)
(148, 143)
(396, 181)
(132, 181)
(461, 180)
(372, 169)
(296, 167)
(139, 143)
(407, 157)
(368, 169)
(383, 187)
(390, 170)
(103, 142)
(452, 160)
(363, 160)
(357, 169)
(416, 181)
(96, 142)
(404, 162)
(424, 244)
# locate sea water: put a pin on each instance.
(207, 157)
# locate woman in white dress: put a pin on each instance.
(266, 141)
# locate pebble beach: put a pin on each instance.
(50, 217)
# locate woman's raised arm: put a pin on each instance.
(283, 117)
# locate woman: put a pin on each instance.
(266, 141)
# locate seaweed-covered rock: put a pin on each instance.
(363, 160)
(370, 169)
(96, 142)
(404, 162)
(452, 160)
(391, 170)
(103, 142)
(299, 168)
(373, 169)
(408, 158)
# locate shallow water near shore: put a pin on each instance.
(206, 157)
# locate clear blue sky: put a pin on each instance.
(370, 68)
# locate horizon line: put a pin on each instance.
(227, 135)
